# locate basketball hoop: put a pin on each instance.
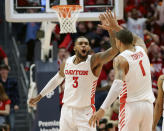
(67, 15)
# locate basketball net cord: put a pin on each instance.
(67, 18)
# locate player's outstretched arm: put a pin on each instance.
(159, 103)
(104, 22)
(50, 86)
(120, 67)
(106, 56)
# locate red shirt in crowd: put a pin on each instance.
(114, 118)
(4, 103)
(2, 54)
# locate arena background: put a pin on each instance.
(31, 41)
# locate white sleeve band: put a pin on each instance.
(52, 84)
(113, 93)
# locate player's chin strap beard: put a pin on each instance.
(82, 57)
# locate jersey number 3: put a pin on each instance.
(75, 84)
(142, 68)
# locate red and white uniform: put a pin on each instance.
(79, 95)
(136, 98)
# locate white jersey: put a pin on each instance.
(80, 83)
(137, 84)
(137, 26)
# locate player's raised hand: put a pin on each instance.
(96, 117)
(109, 21)
(111, 18)
(104, 23)
(34, 101)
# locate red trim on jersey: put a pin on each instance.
(93, 108)
(93, 95)
(122, 110)
(122, 127)
(123, 97)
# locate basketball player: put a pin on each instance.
(81, 73)
(159, 103)
(132, 82)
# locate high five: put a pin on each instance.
(132, 82)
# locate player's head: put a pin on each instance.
(123, 38)
(82, 47)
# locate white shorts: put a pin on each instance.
(75, 119)
(136, 116)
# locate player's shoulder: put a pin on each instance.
(70, 59)
(120, 60)
(138, 47)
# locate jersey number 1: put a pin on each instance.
(75, 84)
(142, 68)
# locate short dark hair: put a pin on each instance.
(125, 36)
(81, 37)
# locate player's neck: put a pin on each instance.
(77, 60)
(129, 47)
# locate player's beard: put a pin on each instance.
(81, 56)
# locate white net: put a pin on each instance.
(67, 18)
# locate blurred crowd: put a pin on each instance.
(9, 99)
(143, 17)
(9, 95)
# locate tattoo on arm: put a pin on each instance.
(109, 54)
(119, 69)
(112, 38)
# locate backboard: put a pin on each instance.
(40, 10)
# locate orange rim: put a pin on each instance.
(66, 10)
(73, 7)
